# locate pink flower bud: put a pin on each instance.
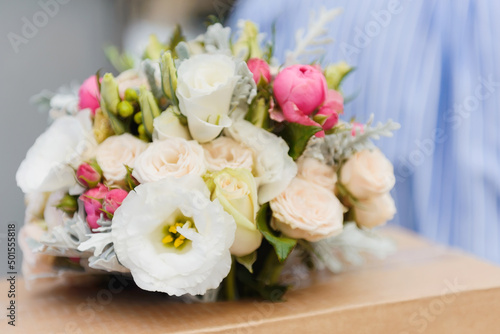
(89, 94)
(259, 68)
(89, 175)
(92, 201)
(357, 128)
(114, 199)
(302, 85)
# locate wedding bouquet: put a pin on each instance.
(201, 167)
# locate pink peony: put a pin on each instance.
(114, 199)
(300, 91)
(88, 176)
(92, 201)
(259, 68)
(89, 94)
(301, 85)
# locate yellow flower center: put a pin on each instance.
(172, 237)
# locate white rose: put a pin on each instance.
(315, 171)
(116, 152)
(205, 85)
(49, 163)
(167, 125)
(172, 237)
(274, 168)
(171, 157)
(367, 174)
(307, 211)
(35, 206)
(375, 210)
(225, 152)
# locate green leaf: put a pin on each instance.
(282, 245)
(336, 73)
(258, 113)
(120, 61)
(297, 135)
(247, 261)
(149, 109)
(176, 38)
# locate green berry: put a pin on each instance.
(138, 118)
(125, 109)
(130, 95)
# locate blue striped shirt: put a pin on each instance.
(432, 66)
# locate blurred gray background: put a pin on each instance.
(68, 46)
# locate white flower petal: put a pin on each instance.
(195, 269)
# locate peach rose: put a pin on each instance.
(367, 173)
(225, 152)
(115, 152)
(170, 157)
(375, 211)
(307, 211)
(315, 171)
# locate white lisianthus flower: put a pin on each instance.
(307, 211)
(172, 237)
(167, 125)
(205, 85)
(274, 168)
(171, 157)
(225, 152)
(49, 163)
(367, 173)
(315, 171)
(375, 211)
(237, 193)
(116, 152)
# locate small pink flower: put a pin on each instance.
(357, 128)
(302, 85)
(259, 68)
(114, 199)
(333, 105)
(88, 176)
(92, 201)
(89, 94)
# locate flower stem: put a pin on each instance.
(231, 292)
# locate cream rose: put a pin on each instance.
(315, 171)
(307, 211)
(205, 85)
(367, 174)
(116, 152)
(168, 125)
(375, 211)
(225, 152)
(236, 191)
(171, 157)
